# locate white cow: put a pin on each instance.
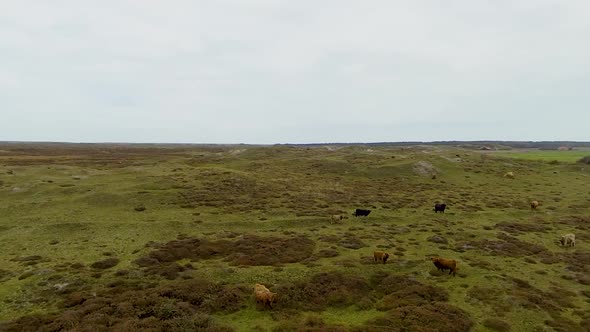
(568, 240)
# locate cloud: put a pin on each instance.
(276, 71)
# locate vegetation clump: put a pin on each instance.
(421, 318)
(496, 324)
(311, 323)
(186, 306)
(351, 242)
(516, 228)
(506, 245)
(105, 263)
(411, 293)
(321, 291)
(5, 275)
(249, 250)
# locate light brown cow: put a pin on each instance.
(264, 295)
(380, 256)
(445, 264)
(568, 240)
(336, 218)
(509, 175)
(534, 204)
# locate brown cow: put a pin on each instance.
(380, 256)
(264, 295)
(336, 218)
(443, 264)
(534, 204)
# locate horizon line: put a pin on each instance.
(291, 143)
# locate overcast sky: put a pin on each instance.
(262, 71)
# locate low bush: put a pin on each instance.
(496, 324)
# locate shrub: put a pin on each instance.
(181, 306)
(248, 250)
(105, 264)
(496, 324)
(322, 290)
(431, 317)
(417, 295)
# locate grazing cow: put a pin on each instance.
(264, 295)
(361, 213)
(439, 207)
(534, 204)
(443, 264)
(336, 218)
(509, 175)
(380, 256)
(568, 240)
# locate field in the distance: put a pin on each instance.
(545, 155)
(173, 238)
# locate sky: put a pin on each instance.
(265, 72)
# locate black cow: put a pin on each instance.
(440, 207)
(361, 213)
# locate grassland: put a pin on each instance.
(174, 238)
(568, 156)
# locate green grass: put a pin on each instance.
(78, 206)
(545, 155)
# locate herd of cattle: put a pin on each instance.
(266, 297)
